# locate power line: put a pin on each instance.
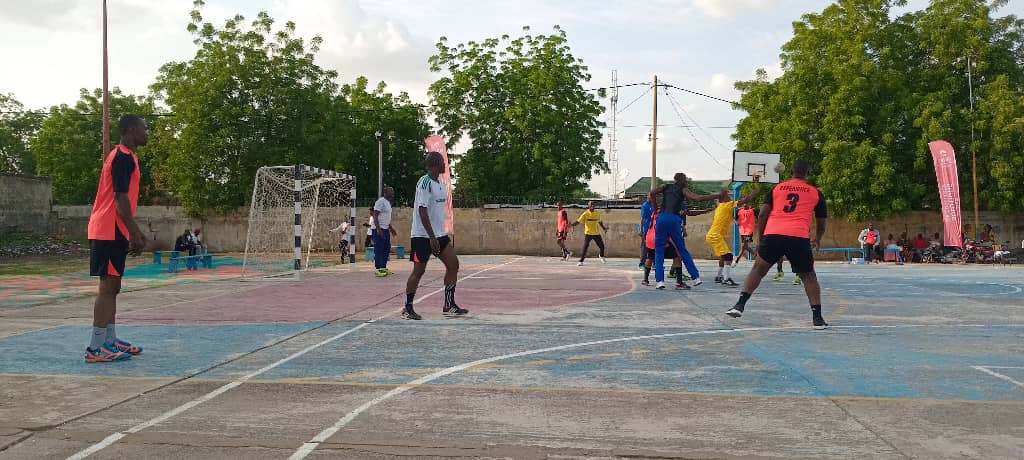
(695, 123)
(675, 107)
(701, 94)
(634, 100)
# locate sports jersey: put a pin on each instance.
(673, 200)
(723, 217)
(120, 174)
(563, 220)
(795, 203)
(747, 220)
(591, 222)
(430, 194)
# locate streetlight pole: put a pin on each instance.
(380, 165)
(106, 94)
(654, 139)
(974, 157)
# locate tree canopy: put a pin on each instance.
(863, 92)
(533, 127)
(17, 127)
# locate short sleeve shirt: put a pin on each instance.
(383, 206)
(120, 174)
(591, 222)
(795, 204)
(432, 195)
(747, 219)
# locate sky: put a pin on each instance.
(701, 45)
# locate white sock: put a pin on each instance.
(727, 272)
(99, 335)
(111, 333)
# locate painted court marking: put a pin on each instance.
(988, 370)
(113, 438)
(326, 434)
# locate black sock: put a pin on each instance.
(409, 296)
(449, 295)
(679, 276)
(647, 273)
(816, 310)
(743, 300)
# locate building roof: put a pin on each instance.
(643, 185)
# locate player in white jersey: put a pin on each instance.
(429, 237)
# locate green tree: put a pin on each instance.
(863, 93)
(68, 145)
(534, 129)
(251, 96)
(403, 128)
(16, 129)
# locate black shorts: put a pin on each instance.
(107, 257)
(670, 252)
(747, 238)
(798, 250)
(421, 248)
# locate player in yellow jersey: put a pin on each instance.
(715, 237)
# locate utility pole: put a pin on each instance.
(106, 94)
(654, 138)
(380, 165)
(974, 157)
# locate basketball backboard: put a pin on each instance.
(746, 164)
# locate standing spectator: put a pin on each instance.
(195, 242)
(869, 238)
(369, 231)
(382, 232)
(646, 213)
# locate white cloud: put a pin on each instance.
(726, 8)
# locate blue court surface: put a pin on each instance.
(921, 361)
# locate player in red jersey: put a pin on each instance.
(784, 224)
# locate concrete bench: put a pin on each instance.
(191, 262)
(159, 255)
(848, 251)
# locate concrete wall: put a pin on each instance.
(506, 231)
(25, 203)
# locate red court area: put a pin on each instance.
(499, 285)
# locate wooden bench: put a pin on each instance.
(191, 262)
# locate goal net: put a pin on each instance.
(296, 221)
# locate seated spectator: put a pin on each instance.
(891, 247)
(918, 246)
(184, 242)
(936, 241)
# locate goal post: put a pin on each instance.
(296, 221)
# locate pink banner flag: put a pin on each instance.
(435, 143)
(949, 190)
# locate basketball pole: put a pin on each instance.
(106, 93)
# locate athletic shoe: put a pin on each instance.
(380, 273)
(454, 310)
(410, 314)
(719, 279)
(819, 323)
(579, 264)
(778, 276)
(123, 347)
(729, 282)
(797, 282)
(645, 283)
(661, 285)
(686, 278)
(603, 260)
(682, 287)
(568, 254)
(104, 355)
(388, 271)
(640, 267)
(697, 282)
(735, 311)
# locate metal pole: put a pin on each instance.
(654, 139)
(974, 157)
(380, 169)
(106, 94)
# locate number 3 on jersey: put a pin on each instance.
(793, 199)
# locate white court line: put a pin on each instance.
(326, 434)
(110, 440)
(987, 370)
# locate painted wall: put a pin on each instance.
(504, 231)
(25, 203)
